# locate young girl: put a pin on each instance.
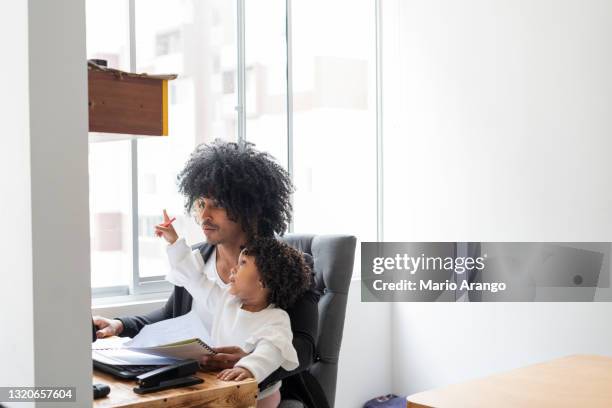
(269, 277)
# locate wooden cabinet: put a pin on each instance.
(126, 103)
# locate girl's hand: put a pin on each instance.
(166, 230)
(235, 374)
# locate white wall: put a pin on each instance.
(15, 247)
(497, 128)
(46, 332)
(438, 344)
(364, 369)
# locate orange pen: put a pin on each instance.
(167, 224)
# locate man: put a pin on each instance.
(236, 192)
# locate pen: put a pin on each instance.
(167, 224)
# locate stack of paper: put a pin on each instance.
(164, 342)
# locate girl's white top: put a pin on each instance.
(266, 335)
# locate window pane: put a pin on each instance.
(109, 162)
(108, 32)
(266, 77)
(334, 70)
(110, 214)
(196, 40)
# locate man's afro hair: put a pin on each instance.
(250, 185)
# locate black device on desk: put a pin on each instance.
(173, 376)
(100, 390)
(127, 372)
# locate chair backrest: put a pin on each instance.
(333, 258)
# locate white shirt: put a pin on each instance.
(266, 335)
(199, 305)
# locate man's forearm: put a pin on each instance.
(133, 324)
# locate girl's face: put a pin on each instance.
(245, 281)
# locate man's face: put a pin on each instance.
(215, 223)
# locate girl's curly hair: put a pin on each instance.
(249, 184)
(282, 269)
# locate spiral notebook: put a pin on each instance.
(184, 349)
(183, 337)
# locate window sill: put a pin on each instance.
(113, 306)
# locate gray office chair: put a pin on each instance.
(333, 257)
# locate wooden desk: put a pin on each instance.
(211, 393)
(574, 381)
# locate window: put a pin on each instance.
(329, 80)
(196, 40)
(110, 212)
(109, 162)
(334, 108)
(266, 77)
(334, 118)
(203, 113)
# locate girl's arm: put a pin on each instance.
(187, 270)
(271, 347)
(263, 361)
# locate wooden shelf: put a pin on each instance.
(126, 103)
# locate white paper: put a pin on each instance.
(109, 343)
(188, 326)
(129, 357)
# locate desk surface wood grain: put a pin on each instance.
(212, 393)
(573, 381)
